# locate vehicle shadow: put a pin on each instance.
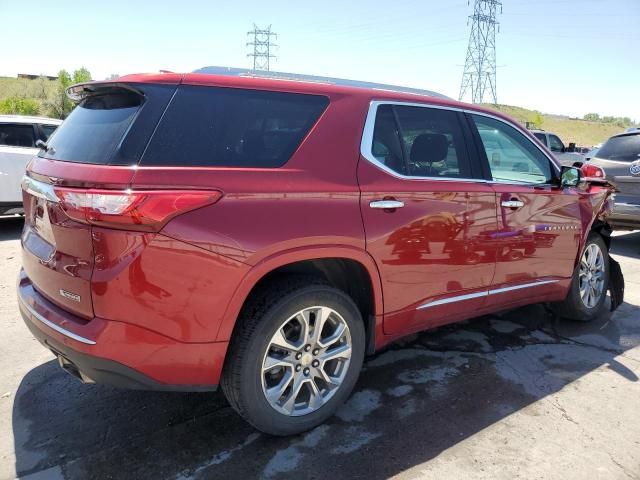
(11, 228)
(413, 401)
(627, 244)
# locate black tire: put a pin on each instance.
(260, 318)
(573, 307)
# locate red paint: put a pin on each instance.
(165, 300)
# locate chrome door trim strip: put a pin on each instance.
(518, 287)
(367, 141)
(484, 293)
(39, 189)
(55, 327)
(459, 298)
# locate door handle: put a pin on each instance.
(386, 204)
(512, 203)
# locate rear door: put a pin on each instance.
(95, 148)
(539, 224)
(17, 147)
(425, 215)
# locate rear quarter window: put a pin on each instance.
(227, 127)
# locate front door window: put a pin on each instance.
(512, 157)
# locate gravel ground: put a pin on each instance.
(506, 396)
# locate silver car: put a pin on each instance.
(620, 158)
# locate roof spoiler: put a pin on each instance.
(80, 91)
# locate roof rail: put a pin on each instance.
(297, 77)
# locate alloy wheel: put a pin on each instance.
(591, 276)
(306, 361)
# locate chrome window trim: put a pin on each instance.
(39, 189)
(366, 143)
(55, 327)
(483, 293)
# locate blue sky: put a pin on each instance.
(558, 56)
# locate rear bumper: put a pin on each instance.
(625, 215)
(117, 353)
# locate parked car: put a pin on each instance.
(18, 137)
(590, 154)
(557, 147)
(620, 159)
(263, 234)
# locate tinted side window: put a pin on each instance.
(420, 142)
(47, 130)
(227, 127)
(512, 157)
(17, 135)
(542, 137)
(555, 144)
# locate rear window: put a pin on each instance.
(625, 148)
(95, 128)
(227, 127)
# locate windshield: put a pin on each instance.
(625, 148)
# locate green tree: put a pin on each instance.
(592, 117)
(19, 106)
(60, 105)
(535, 119)
(81, 75)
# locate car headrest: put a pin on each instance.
(429, 147)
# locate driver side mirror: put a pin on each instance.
(569, 176)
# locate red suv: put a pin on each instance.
(265, 234)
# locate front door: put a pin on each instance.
(425, 215)
(539, 223)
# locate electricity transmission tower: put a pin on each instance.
(262, 46)
(479, 74)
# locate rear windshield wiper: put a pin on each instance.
(43, 146)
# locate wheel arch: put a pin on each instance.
(336, 265)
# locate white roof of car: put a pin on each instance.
(28, 119)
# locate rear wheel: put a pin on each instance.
(588, 291)
(295, 357)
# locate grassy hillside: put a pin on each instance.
(582, 132)
(40, 90)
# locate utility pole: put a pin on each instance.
(261, 47)
(479, 76)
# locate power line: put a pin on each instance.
(479, 76)
(262, 46)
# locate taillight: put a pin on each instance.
(592, 173)
(147, 210)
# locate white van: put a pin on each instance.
(18, 137)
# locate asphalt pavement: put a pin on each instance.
(515, 395)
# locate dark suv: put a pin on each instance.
(620, 159)
(186, 231)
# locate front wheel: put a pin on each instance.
(295, 358)
(588, 291)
